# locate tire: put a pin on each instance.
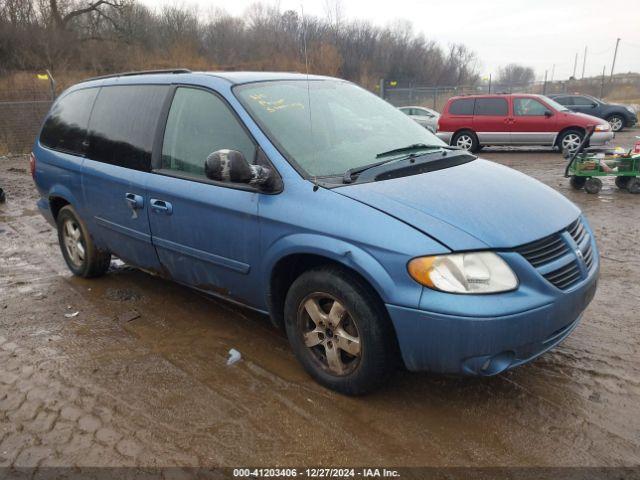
(569, 141)
(633, 185)
(82, 256)
(466, 140)
(617, 122)
(593, 185)
(621, 182)
(578, 182)
(340, 331)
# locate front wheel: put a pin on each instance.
(466, 140)
(82, 256)
(339, 330)
(621, 182)
(569, 141)
(593, 185)
(633, 185)
(616, 122)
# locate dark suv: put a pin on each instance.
(618, 116)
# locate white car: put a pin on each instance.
(426, 117)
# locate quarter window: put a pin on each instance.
(66, 127)
(462, 107)
(492, 106)
(528, 107)
(199, 124)
(123, 125)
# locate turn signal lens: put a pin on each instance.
(478, 272)
(603, 127)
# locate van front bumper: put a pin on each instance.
(483, 346)
(601, 138)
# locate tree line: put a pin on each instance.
(103, 36)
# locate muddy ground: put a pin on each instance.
(138, 376)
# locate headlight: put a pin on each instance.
(631, 109)
(603, 127)
(479, 272)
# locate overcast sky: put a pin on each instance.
(538, 33)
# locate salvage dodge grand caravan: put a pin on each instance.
(308, 198)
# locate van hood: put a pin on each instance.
(476, 205)
(588, 119)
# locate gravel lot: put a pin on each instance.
(138, 377)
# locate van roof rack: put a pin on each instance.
(141, 72)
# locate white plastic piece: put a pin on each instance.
(234, 356)
(71, 315)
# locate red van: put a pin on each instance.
(474, 121)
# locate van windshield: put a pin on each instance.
(326, 127)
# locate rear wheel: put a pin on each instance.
(569, 141)
(578, 182)
(466, 140)
(82, 256)
(616, 122)
(339, 330)
(633, 185)
(593, 185)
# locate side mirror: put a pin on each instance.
(548, 113)
(231, 166)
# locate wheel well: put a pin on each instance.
(565, 130)
(285, 272)
(457, 132)
(56, 203)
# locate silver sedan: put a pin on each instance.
(426, 117)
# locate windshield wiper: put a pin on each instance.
(415, 146)
(348, 175)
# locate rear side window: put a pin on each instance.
(123, 125)
(492, 106)
(564, 100)
(199, 124)
(66, 126)
(463, 106)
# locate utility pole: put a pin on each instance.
(602, 83)
(490, 83)
(544, 86)
(575, 65)
(615, 54)
(584, 61)
(553, 72)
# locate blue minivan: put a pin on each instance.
(373, 243)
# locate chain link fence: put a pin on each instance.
(21, 113)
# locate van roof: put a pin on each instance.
(185, 74)
(496, 95)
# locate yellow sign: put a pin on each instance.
(393, 83)
(43, 76)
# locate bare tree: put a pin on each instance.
(514, 74)
(62, 17)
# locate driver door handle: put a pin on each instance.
(135, 202)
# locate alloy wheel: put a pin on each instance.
(571, 142)
(616, 123)
(464, 142)
(330, 333)
(73, 242)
